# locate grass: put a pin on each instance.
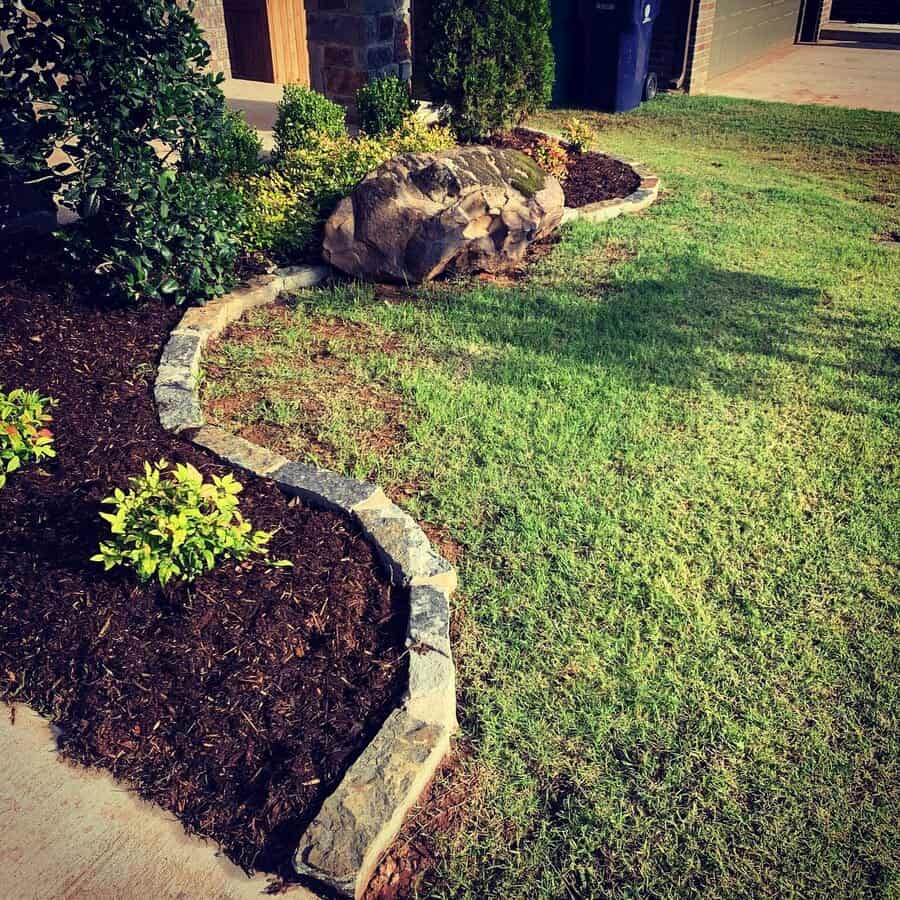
(670, 457)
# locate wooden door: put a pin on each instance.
(267, 40)
(247, 26)
(287, 35)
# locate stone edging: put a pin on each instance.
(345, 841)
(604, 210)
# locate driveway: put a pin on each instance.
(833, 73)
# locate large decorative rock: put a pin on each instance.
(466, 209)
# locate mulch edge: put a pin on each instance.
(604, 210)
(344, 843)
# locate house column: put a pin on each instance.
(353, 41)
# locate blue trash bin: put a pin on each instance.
(616, 34)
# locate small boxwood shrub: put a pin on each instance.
(173, 524)
(24, 435)
(383, 104)
(491, 61)
(232, 150)
(303, 113)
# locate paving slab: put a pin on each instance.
(71, 833)
(828, 73)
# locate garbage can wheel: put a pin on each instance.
(650, 86)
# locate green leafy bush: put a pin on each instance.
(491, 61)
(164, 234)
(232, 150)
(24, 435)
(383, 104)
(117, 90)
(303, 113)
(173, 524)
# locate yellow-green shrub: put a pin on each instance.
(416, 136)
(579, 133)
(173, 524)
(279, 220)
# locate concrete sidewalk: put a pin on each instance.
(74, 834)
(832, 73)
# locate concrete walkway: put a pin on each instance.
(73, 834)
(832, 73)
(259, 101)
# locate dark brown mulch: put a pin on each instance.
(236, 703)
(591, 177)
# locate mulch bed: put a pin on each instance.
(591, 177)
(235, 703)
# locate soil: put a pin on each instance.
(236, 703)
(591, 177)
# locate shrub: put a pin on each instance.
(24, 435)
(105, 85)
(279, 221)
(491, 61)
(173, 524)
(164, 234)
(579, 134)
(232, 150)
(383, 104)
(551, 156)
(416, 136)
(303, 113)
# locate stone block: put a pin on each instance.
(178, 407)
(325, 489)
(338, 56)
(182, 351)
(344, 843)
(386, 28)
(429, 618)
(344, 82)
(293, 278)
(209, 320)
(352, 31)
(378, 57)
(431, 694)
(404, 546)
(237, 451)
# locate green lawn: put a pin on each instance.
(670, 459)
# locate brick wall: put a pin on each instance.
(351, 41)
(210, 16)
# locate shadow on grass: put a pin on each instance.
(700, 327)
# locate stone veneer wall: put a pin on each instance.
(352, 41)
(210, 16)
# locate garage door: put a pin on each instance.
(745, 30)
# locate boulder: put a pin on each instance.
(462, 210)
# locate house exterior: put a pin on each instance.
(335, 46)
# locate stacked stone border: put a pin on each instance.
(604, 210)
(345, 841)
